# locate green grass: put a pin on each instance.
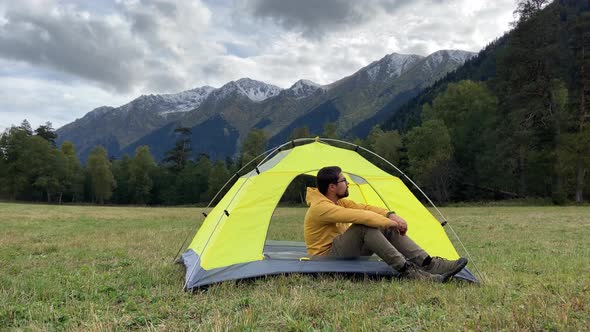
(109, 268)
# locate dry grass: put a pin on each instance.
(109, 268)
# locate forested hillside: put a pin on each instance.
(514, 120)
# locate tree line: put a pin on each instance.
(33, 168)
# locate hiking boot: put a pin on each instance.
(412, 271)
(445, 267)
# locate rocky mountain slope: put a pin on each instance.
(220, 118)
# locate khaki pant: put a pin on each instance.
(361, 240)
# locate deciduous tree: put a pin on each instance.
(300, 132)
(102, 180)
(140, 181)
(217, 178)
(254, 145)
(430, 157)
(330, 130)
(73, 182)
(468, 110)
(121, 169)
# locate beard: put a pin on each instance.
(343, 195)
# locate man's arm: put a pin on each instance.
(347, 203)
(402, 226)
(333, 214)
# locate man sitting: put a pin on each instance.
(339, 227)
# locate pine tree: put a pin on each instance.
(526, 9)
(178, 156)
(46, 132)
(26, 127)
(526, 70)
(576, 141)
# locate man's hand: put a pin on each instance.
(401, 225)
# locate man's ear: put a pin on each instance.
(331, 186)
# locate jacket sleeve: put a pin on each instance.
(333, 214)
(354, 205)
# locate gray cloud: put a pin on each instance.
(166, 8)
(144, 24)
(162, 76)
(240, 50)
(147, 20)
(316, 18)
(112, 49)
(26, 97)
(72, 44)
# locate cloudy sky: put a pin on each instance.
(61, 59)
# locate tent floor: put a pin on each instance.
(297, 250)
(276, 250)
(283, 257)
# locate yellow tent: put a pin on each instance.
(231, 243)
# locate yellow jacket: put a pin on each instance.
(325, 220)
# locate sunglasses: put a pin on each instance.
(342, 181)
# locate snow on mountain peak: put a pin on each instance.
(99, 111)
(304, 88)
(187, 100)
(165, 104)
(302, 83)
(197, 94)
(457, 56)
(460, 56)
(254, 90)
(391, 65)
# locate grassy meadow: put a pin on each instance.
(110, 268)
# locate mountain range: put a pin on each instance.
(220, 118)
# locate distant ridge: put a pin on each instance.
(226, 114)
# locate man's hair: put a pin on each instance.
(326, 176)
